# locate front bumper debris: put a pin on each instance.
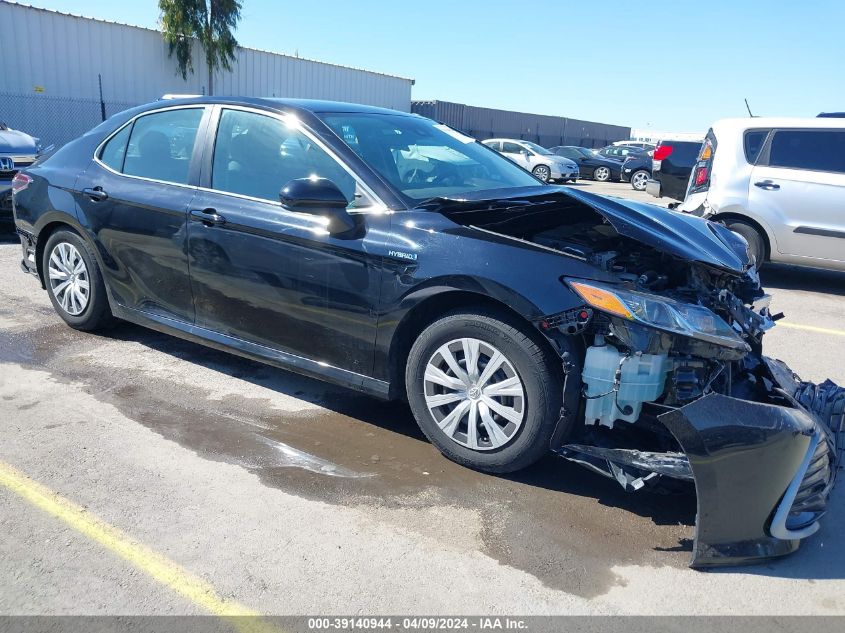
(763, 473)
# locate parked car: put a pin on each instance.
(780, 183)
(591, 164)
(619, 152)
(396, 256)
(17, 151)
(671, 166)
(644, 146)
(538, 160)
(637, 170)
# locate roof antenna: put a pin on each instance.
(747, 107)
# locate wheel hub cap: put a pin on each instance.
(474, 394)
(68, 277)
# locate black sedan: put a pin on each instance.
(591, 164)
(399, 257)
(637, 170)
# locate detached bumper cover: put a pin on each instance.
(763, 473)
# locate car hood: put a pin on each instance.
(565, 162)
(15, 142)
(687, 237)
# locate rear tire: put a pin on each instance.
(639, 179)
(447, 364)
(74, 282)
(756, 244)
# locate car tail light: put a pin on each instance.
(20, 182)
(700, 180)
(701, 175)
(662, 151)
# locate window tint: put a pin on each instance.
(512, 148)
(819, 150)
(754, 140)
(496, 145)
(114, 151)
(161, 145)
(256, 155)
(568, 152)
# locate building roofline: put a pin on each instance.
(247, 48)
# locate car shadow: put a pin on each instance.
(785, 277)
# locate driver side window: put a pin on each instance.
(256, 155)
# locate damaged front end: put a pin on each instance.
(673, 386)
(665, 378)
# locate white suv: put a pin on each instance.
(538, 160)
(780, 183)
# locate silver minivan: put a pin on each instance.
(780, 183)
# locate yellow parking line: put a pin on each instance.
(147, 560)
(811, 328)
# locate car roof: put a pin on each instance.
(273, 103)
(750, 123)
(506, 140)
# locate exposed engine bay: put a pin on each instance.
(666, 380)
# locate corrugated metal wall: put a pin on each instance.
(51, 61)
(548, 131)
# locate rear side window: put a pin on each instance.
(512, 148)
(161, 145)
(753, 143)
(114, 151)
(817, 150)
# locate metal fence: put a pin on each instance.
(54, 120)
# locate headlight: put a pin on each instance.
(659, 312)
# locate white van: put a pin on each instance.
(780, 183)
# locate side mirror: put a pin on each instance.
(318, 196)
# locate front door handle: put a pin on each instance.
(209, 217)
(95, 193)
(768, 185)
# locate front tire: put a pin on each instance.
(542, 172)
(74, 282)
(756, 244)
(483, 391)
(601, 174)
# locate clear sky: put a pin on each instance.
(669, 65)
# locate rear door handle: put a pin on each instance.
(768, 185)
(95, 193)
(209, 217)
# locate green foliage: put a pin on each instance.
(211, 22)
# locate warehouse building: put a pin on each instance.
(548, 131)
(63, 72)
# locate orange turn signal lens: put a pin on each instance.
(601, 299)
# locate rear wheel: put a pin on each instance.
(639, 178)
(483, 392)
(602, 174)
(756, 244)
(542, 172)
(74, 282)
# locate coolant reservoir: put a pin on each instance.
(641, 379)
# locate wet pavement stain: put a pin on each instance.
(555, 521)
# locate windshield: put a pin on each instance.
(536, 148)
(589, 153)
(423, 159)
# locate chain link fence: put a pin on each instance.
(54, 120)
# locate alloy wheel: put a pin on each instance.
(601, 174)
(69, 280)
(474, 394)
(638, 180)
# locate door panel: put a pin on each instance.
(274, 277)
(138, 223)
(804, 208)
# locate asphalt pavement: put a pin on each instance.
(141, 474)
